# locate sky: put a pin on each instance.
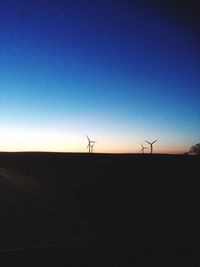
(121, 72)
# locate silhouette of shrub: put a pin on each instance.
(195, 149)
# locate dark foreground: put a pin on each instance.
(108, 210)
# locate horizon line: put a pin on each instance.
(112, 153)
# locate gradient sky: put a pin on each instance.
(119, 71)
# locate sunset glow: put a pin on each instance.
(119, 72)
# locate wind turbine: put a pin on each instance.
(90, 144)
(143, 148)
(151, 145)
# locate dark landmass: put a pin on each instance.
(115, 209)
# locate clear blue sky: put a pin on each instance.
(119, 71)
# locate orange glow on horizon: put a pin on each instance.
(28, 140)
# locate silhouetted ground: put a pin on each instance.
(84, 208)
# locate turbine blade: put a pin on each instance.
(88, 138)
(148, 142)
(154, 141)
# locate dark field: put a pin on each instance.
(100, 209)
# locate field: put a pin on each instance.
(122, 205)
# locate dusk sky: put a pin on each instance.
(118, 71)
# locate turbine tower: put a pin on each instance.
(151, 145)
(90, 145)
(143, 148)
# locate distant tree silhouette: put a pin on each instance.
(195, 149)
